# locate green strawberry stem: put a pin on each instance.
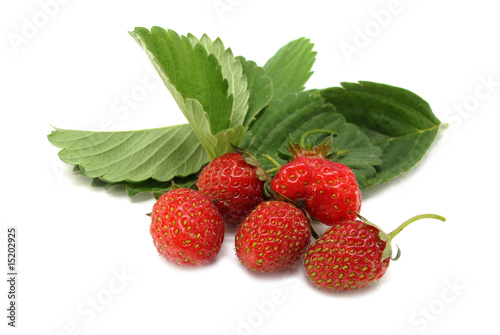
(341, 153)
(388, 237)
(274, 162)
(313, 131)
(413, 219)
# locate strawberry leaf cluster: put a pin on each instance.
(380, 130)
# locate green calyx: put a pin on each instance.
(389, 237)
(305, 147)
(308, 144)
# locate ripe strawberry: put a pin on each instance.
(330, 189)
(186, 227)
(234, 186)
(272, 237)
(352, 255)
(333, 194)
(293, 178)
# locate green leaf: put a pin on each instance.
(396, 120)
(135, 156)
(189, 71)
(299, 113)
(192, 74)
(259, 86)
(159, 189)
(214, 145)
(290, 68)
(232, 71)
(148, 186)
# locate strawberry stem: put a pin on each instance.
(273, 170)
(341, 153)
(274, 162)
(314, 131)
(413, 219)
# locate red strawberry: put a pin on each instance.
(352, 255)
(333, 194)
(293, 178)
(186, 227)
(234, 186)
(330, 189)
(272, 237)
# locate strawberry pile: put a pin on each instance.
(381, 131)
(273, 217)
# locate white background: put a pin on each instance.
(86, 261)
